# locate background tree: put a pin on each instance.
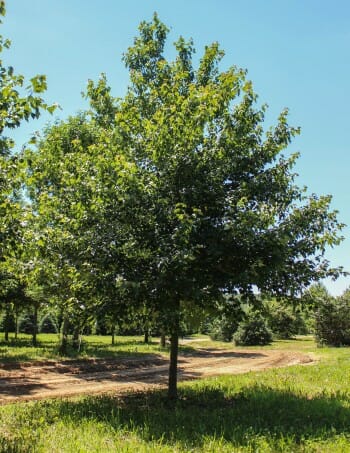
(18, 102)
(287, 319)
(253, 331)
(226, 316)
(12, 302)
(331, 316)
(83, 190)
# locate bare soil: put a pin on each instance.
(50, 379)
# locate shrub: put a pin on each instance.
(229, 312)
(332, 322)
(48, 324)
(222, 329)
(285, 323)
(26, 323)
(253, 331)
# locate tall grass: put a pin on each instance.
(294, 409)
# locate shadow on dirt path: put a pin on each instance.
(75, 377)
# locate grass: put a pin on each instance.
(302, 343)
(93, 346)
(294, 409)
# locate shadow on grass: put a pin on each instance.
(209, 413)
(26, 343)
(188, 351)
(22, 349)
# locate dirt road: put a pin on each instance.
(27, 381)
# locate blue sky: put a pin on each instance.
(296, 53)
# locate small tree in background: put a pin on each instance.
(253, 331)
(285, 320)
(48, 323)
(332, 320)
(225, 318)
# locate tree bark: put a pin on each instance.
(35, 325)
(64, 337)
(162, 339)
(75, 339)
(16, 323)
(113, 335)
(6, 323)
(146, 337)
(174, 348)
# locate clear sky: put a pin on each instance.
(297, 53)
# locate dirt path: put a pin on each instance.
(50, 379)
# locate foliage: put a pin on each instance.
(223, 320)
(253, 331)
(65, 186)
(13, 300)
(7, 321)
(314, 296)
(48, 324)
(332, 321)
(285, 321)
(226, 318)
(222, 329)
(26, 323)
(223, 211)
(18, 103)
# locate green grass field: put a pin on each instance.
(294, 409)
(92, 346)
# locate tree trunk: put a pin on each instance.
(75, 341)
(7, 323)
(16, 323)
(162, 339)
(174, 348)
(64, 337)
(113, 335)
(146, 338)
(35, 325)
